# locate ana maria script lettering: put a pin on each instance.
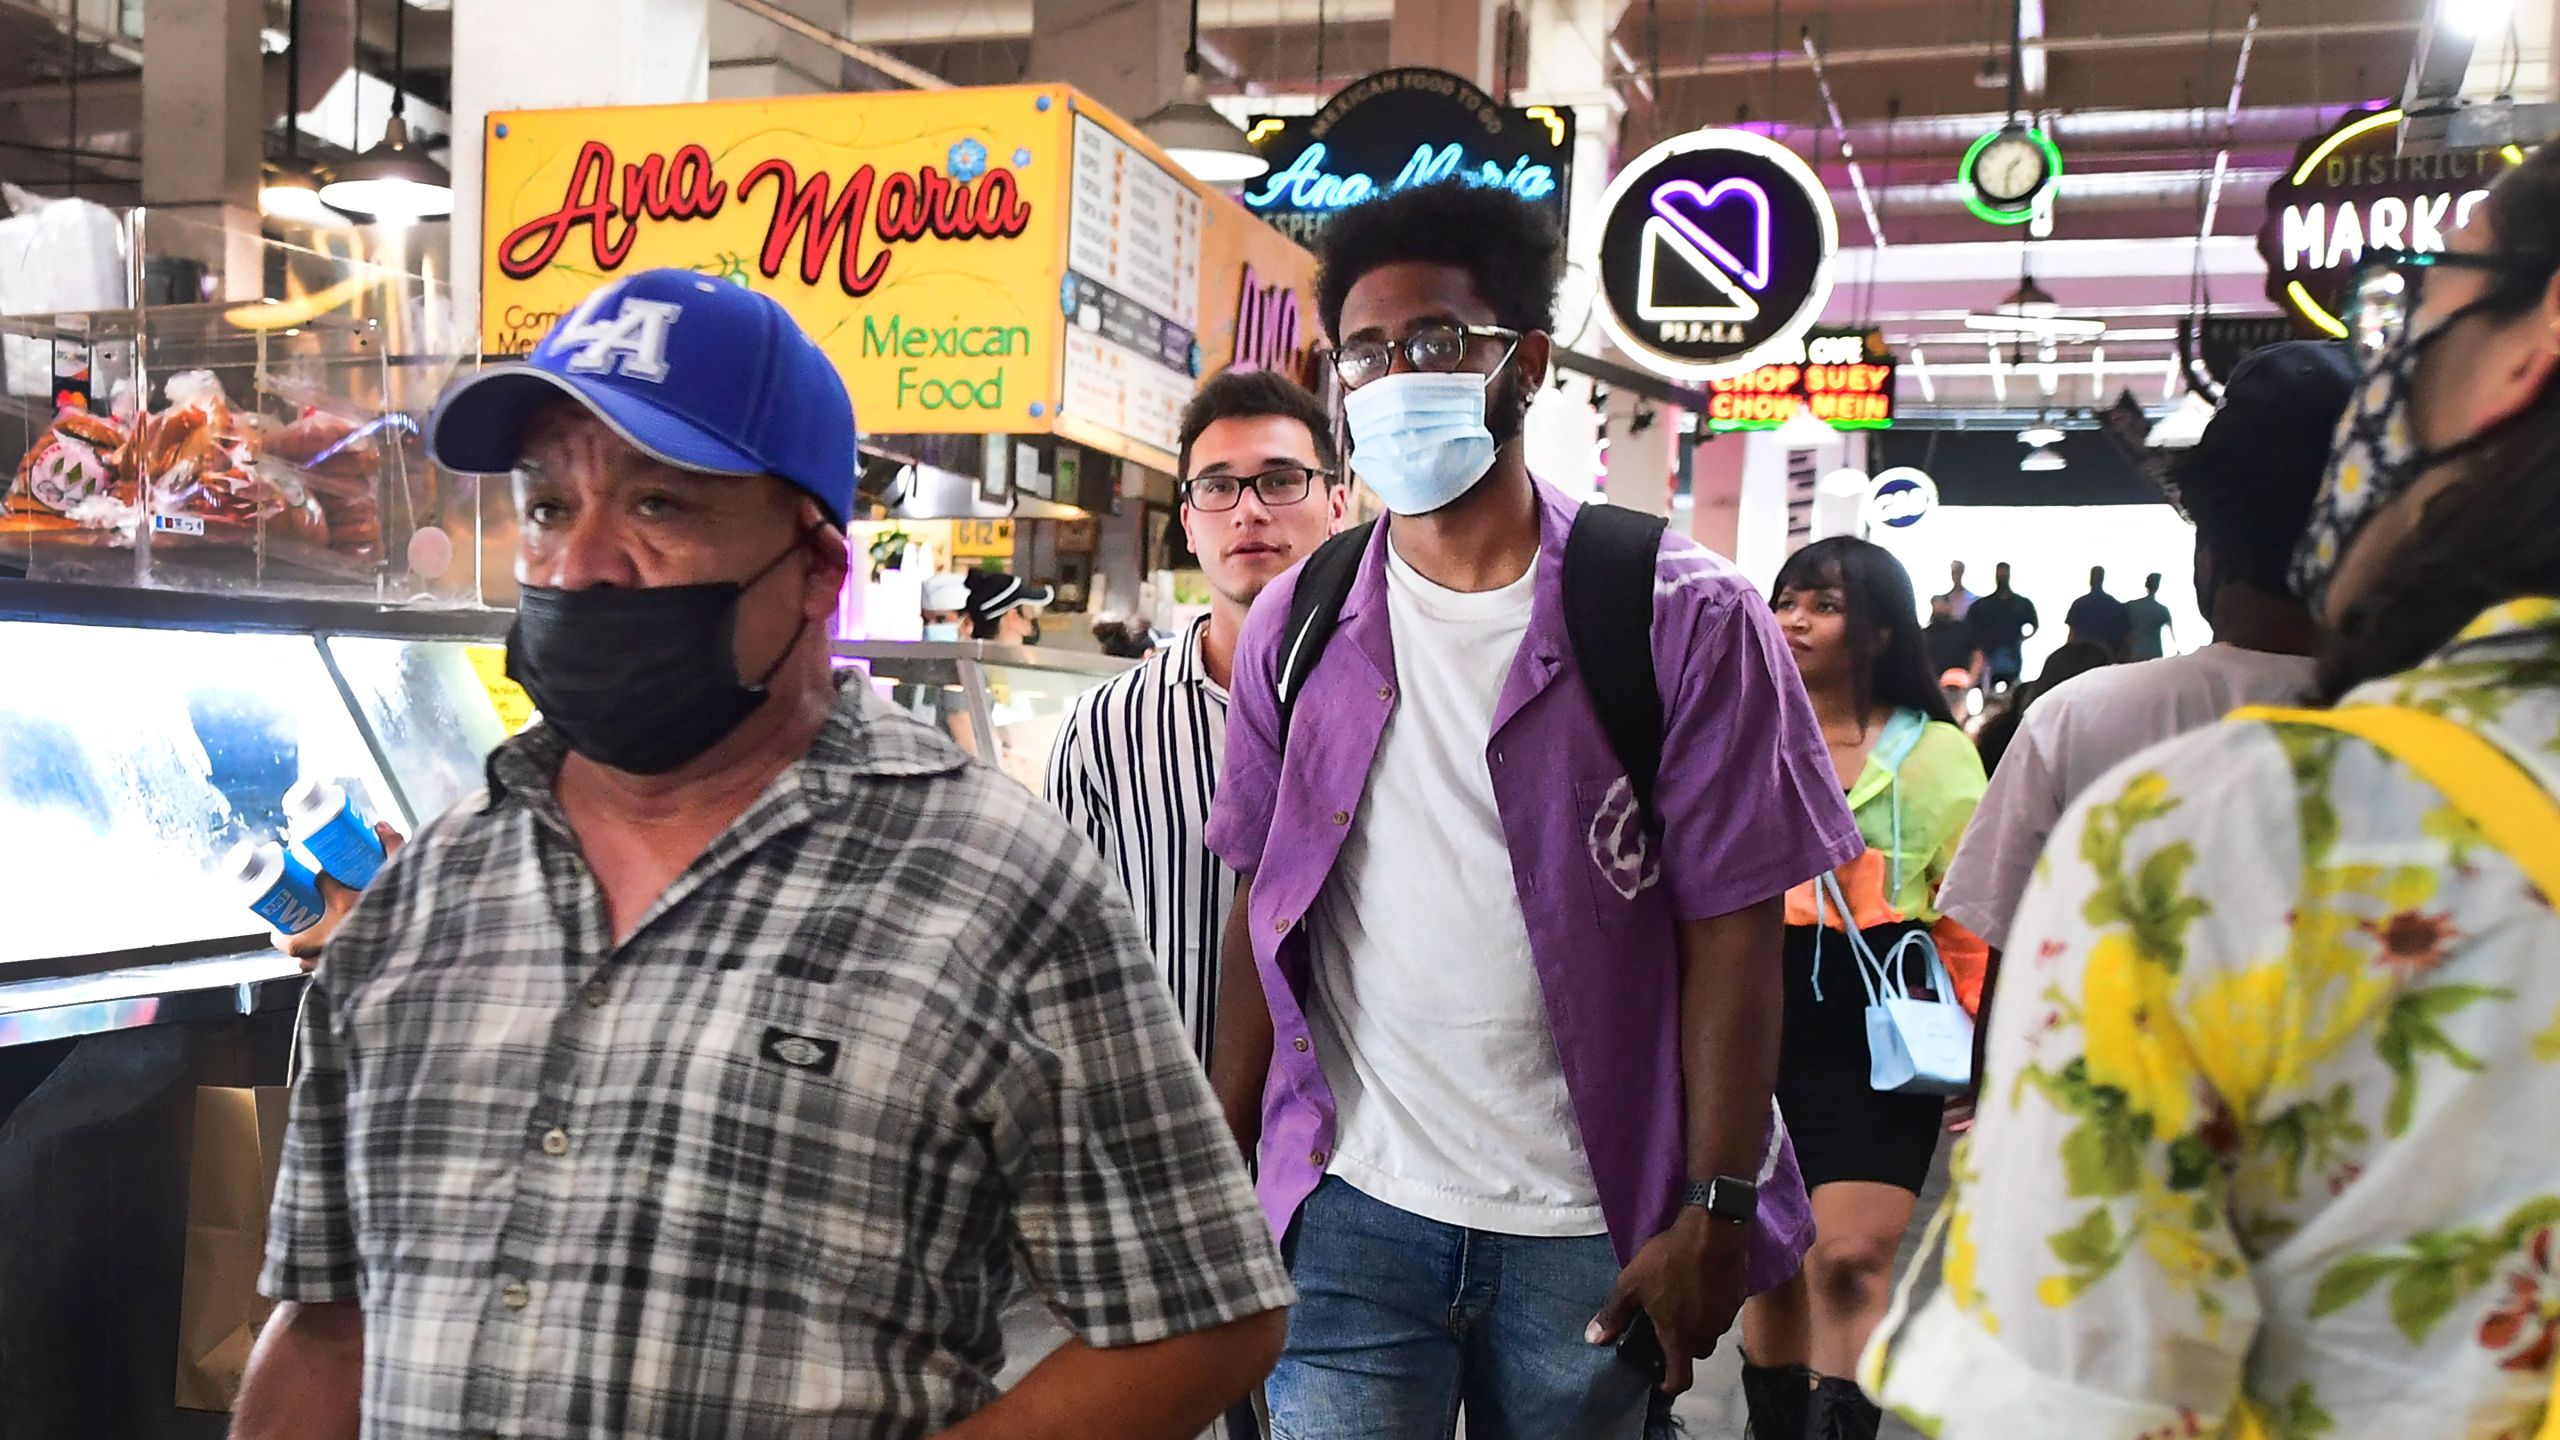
(1308, 185)
(858, 225)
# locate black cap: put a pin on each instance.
(991, 593)
(2249, 482)
(2279, 412)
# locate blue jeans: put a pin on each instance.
(1400, 1321)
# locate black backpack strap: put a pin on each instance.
(1315, 607)
(1609, 561)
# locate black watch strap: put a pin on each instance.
(1725, 1198)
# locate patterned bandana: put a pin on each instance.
(2376, 457)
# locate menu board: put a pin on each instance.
(1132, 290)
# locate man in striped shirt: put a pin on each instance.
(1137, 761)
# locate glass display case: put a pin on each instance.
(144, 733)
(268, 447)
(1014, 695)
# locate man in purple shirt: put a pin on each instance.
(1511, 1080)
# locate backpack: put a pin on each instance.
(1609, 559)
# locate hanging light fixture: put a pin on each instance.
(291, 191)
(2031, 298)
(393, 183)
(2044, 459)
(2042, 435)
(291, 187)
(1195, 135)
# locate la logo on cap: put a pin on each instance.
(632, 343)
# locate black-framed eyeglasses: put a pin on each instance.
(1275, 487)
(1437, 347)
(2389, 286)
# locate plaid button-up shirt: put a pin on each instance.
(768, 1166)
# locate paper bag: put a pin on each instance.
(239, 1143)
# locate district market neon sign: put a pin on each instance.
(2306, 238)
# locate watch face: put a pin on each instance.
(2010, 170)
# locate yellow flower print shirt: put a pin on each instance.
(2272, 1113)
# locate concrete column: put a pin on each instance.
(1740, 500)
(1125, 53)
(559, 54)
(1567, 67)
(1451, 35)
(1640, 462)
(203, 124)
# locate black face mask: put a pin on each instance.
(643, 681)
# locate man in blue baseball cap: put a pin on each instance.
(726, 1067)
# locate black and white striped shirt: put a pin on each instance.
(1135, 766)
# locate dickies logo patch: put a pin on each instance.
(800, 1052)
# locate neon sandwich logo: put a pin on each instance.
(1680, 208)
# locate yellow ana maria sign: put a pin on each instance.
(973, 260)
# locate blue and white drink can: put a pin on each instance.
(276, 884)
(322, 819)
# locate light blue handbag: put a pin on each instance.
(1915, 1045)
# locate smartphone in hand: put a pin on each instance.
(1641, 1346)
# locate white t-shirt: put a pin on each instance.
(2084, 729)
(1427, 1016)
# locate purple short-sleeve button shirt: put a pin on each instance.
(1749, 805)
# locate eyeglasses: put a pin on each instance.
(2391, 284)
(1437, 348)
(1278, 486)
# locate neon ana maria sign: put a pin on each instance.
(1309, 185)
(1410, 126)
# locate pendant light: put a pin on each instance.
(291, 188)
(394, 183)
(1195, 135)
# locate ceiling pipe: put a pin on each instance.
(2031, 52)
(1848, 149)
(930, 22)
(2171, 130)
(2080, 189)
(2230, 117)
(1760, 62)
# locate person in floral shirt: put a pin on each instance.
(2266, 1144)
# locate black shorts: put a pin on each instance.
(1844, 1129)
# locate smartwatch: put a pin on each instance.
(1724, 1198)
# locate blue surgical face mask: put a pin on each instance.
(943, 630)
(1420, 438)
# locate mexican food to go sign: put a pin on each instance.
(952, 251)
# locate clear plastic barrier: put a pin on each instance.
(131, 759)
(1017, 694)
(428, 712)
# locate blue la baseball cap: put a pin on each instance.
(701, 373)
